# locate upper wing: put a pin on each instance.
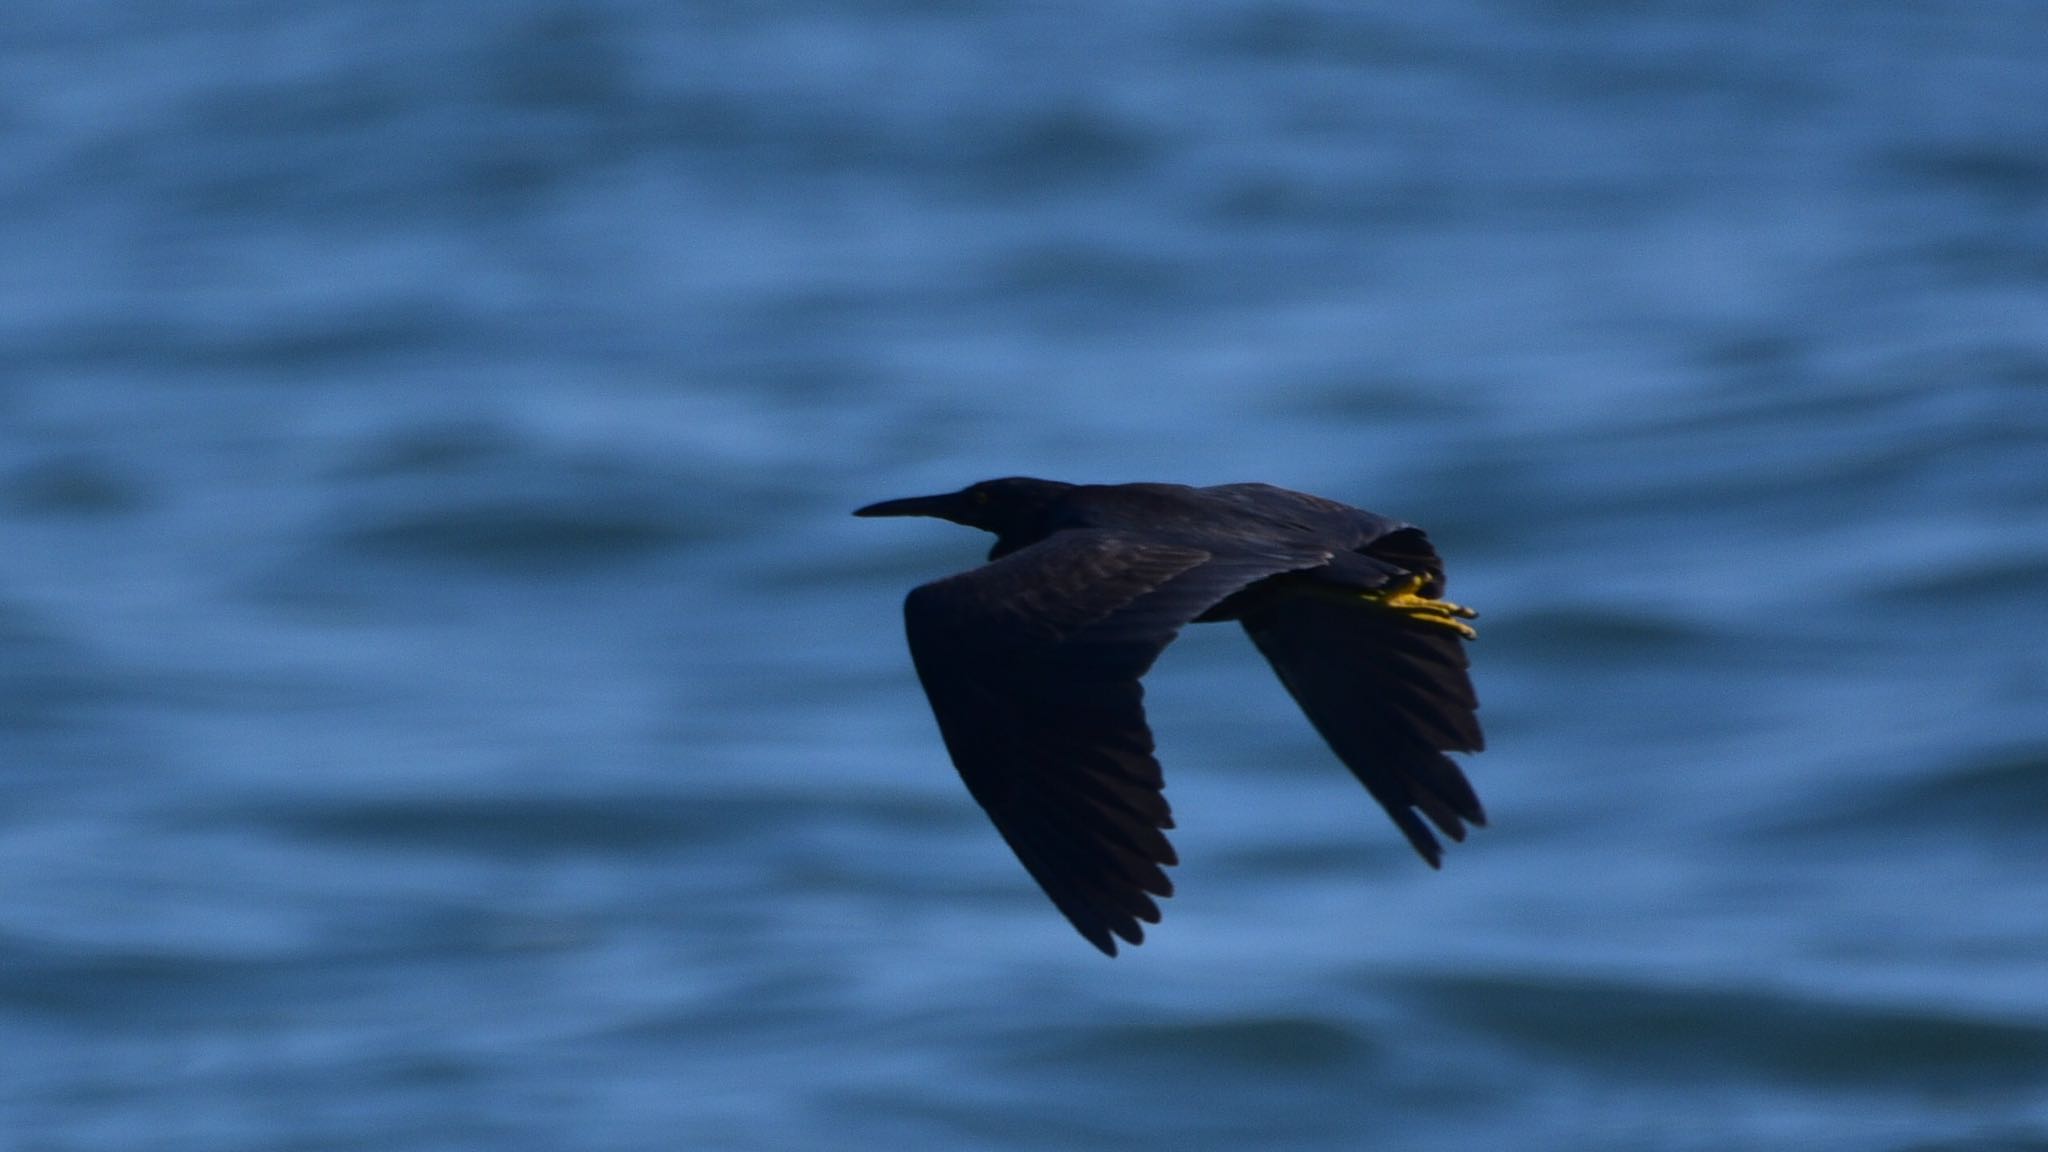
(1031, 663)
(1389, 694)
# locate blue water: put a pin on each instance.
(445, 704)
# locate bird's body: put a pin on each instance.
(1032, 664)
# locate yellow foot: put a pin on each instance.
(1402, 598)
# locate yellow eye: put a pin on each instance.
(981, 497)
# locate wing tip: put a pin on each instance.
(1105, 936)
(1419, 837)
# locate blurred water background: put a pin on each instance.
(445, 704)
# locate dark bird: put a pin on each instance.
(1032, 662)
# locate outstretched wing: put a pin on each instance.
(1031, 663)
(1390, 694)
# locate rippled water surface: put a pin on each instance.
(445, 703)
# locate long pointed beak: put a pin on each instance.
(939, 506)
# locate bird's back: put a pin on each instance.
(1224, 514)
(1327, 519)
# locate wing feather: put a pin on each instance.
(1032, 665)
(1390, 695)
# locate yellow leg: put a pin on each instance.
(1403, 598)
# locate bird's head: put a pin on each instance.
(1018, 509)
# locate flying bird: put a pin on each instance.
(1032, 664)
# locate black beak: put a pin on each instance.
(942, 507)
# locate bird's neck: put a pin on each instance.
(1009, 542)
(1032, 517)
